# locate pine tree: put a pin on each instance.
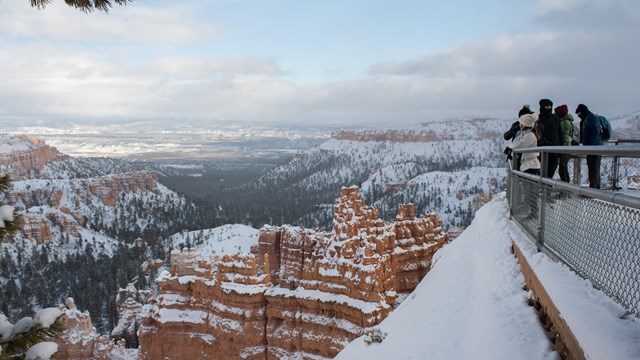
(10, 218)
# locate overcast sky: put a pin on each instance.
(315, 62)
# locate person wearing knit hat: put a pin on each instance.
(527, 139)
(515, 127)
(529, 161)
(549, 133)
(590, 130)
(545, 103)
(526, 109)
(528, 120)
(566, 126)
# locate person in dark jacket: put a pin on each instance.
(549, 133)
(590, 130)
(515, 127)
(566, 126)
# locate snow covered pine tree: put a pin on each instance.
(26, 338)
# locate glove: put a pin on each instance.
(507, 151)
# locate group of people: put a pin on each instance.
(555, 127)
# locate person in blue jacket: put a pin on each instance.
(590, 130)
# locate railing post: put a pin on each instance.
(576, 170)
(542, 197)
(615, 168)
(510, 189)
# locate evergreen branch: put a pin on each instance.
(86, 6)
(5, 183)
(18, 345)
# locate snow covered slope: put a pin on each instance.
(450, 167)
(222, 240)
(471, 305)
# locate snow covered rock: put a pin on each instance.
(42, 351)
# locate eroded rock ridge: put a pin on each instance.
(300, 293)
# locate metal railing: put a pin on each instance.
(594, 232)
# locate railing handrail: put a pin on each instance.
(626, 150)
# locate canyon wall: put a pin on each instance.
(22, 156)
(301, 293)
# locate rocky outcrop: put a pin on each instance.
(109, 188)
(37, 228)
(478, 128)
(129, 304)
(400, 136)
(22, 156)
(80, 341)
(300, 293)
(61, 204)
(206, 310)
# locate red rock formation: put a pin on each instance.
(26, 156)
(37, 228)
(107, 189)
(80, 341)
(129, 303)
(300, 294)
(400, 136)
(206, 312)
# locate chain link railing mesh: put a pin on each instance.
(599, 240)
(524, 204)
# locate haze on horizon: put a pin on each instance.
(356, 62)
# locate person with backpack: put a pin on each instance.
(549, 132)
(590, 134)
(566, 126)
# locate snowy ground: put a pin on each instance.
(225, 239)
(472, 306)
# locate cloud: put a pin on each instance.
(185, 68)
(562, 58)
(589, 59)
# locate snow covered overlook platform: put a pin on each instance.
(473, 304)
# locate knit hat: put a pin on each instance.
(545, 102)
(562, 110)
(582, 108)
(525, 110)
(528, 120)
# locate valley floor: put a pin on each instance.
(472, 305)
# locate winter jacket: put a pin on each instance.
(550, 132)
(566, 125)
(526, 139)
(590, 129)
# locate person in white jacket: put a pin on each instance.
(527, 206)
(527, 139)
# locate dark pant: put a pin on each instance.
(552, 165)
(593, 163)
(563, 170)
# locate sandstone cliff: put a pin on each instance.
(22, 156)
(300, 293)
(68, 205)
